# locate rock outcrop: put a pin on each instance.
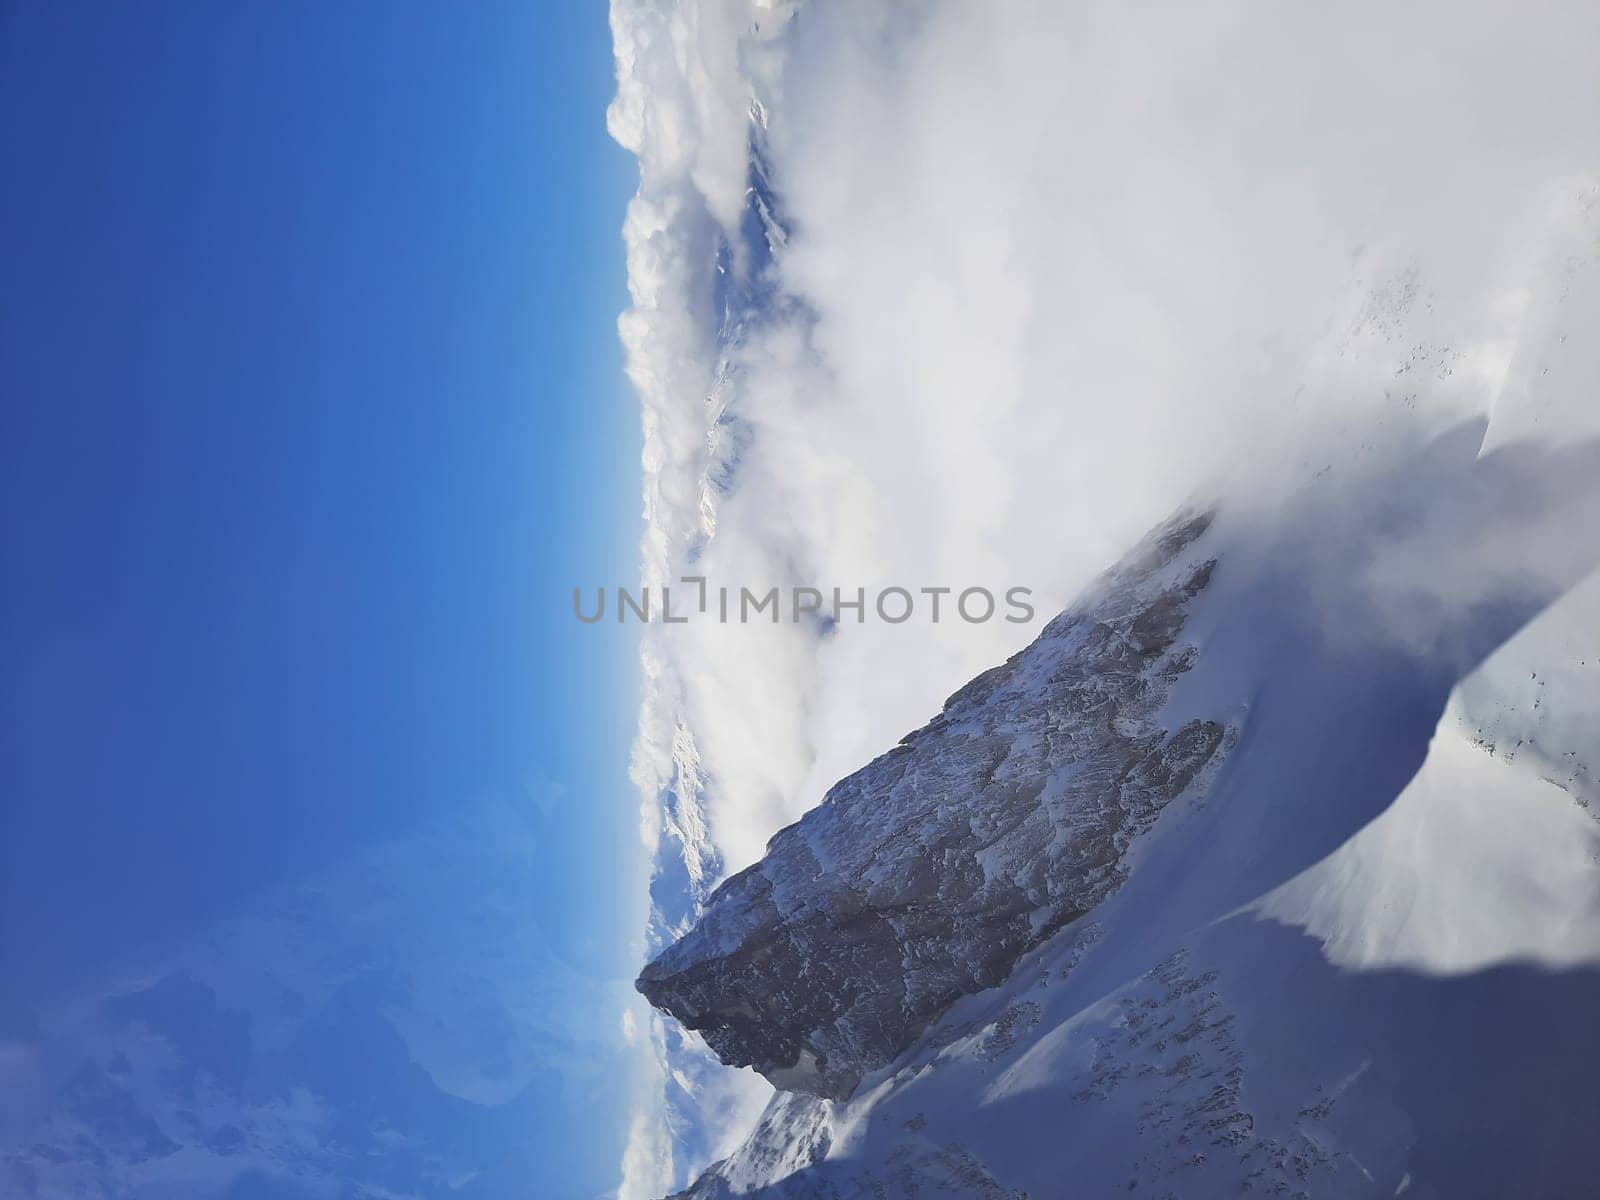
(927, 874)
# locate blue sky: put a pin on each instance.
(312, 417)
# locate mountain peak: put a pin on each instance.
(927, 874)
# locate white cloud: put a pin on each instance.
(1050, 271)
(647, 1161)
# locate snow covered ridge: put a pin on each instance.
(1220, 886)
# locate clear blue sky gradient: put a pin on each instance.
(312, 416)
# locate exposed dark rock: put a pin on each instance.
(927, 874)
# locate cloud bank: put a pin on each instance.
(958, 294)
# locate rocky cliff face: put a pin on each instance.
(926, 875)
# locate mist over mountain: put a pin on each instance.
(1237, 867)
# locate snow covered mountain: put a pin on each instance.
(1238, 879)
(1240, 874)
